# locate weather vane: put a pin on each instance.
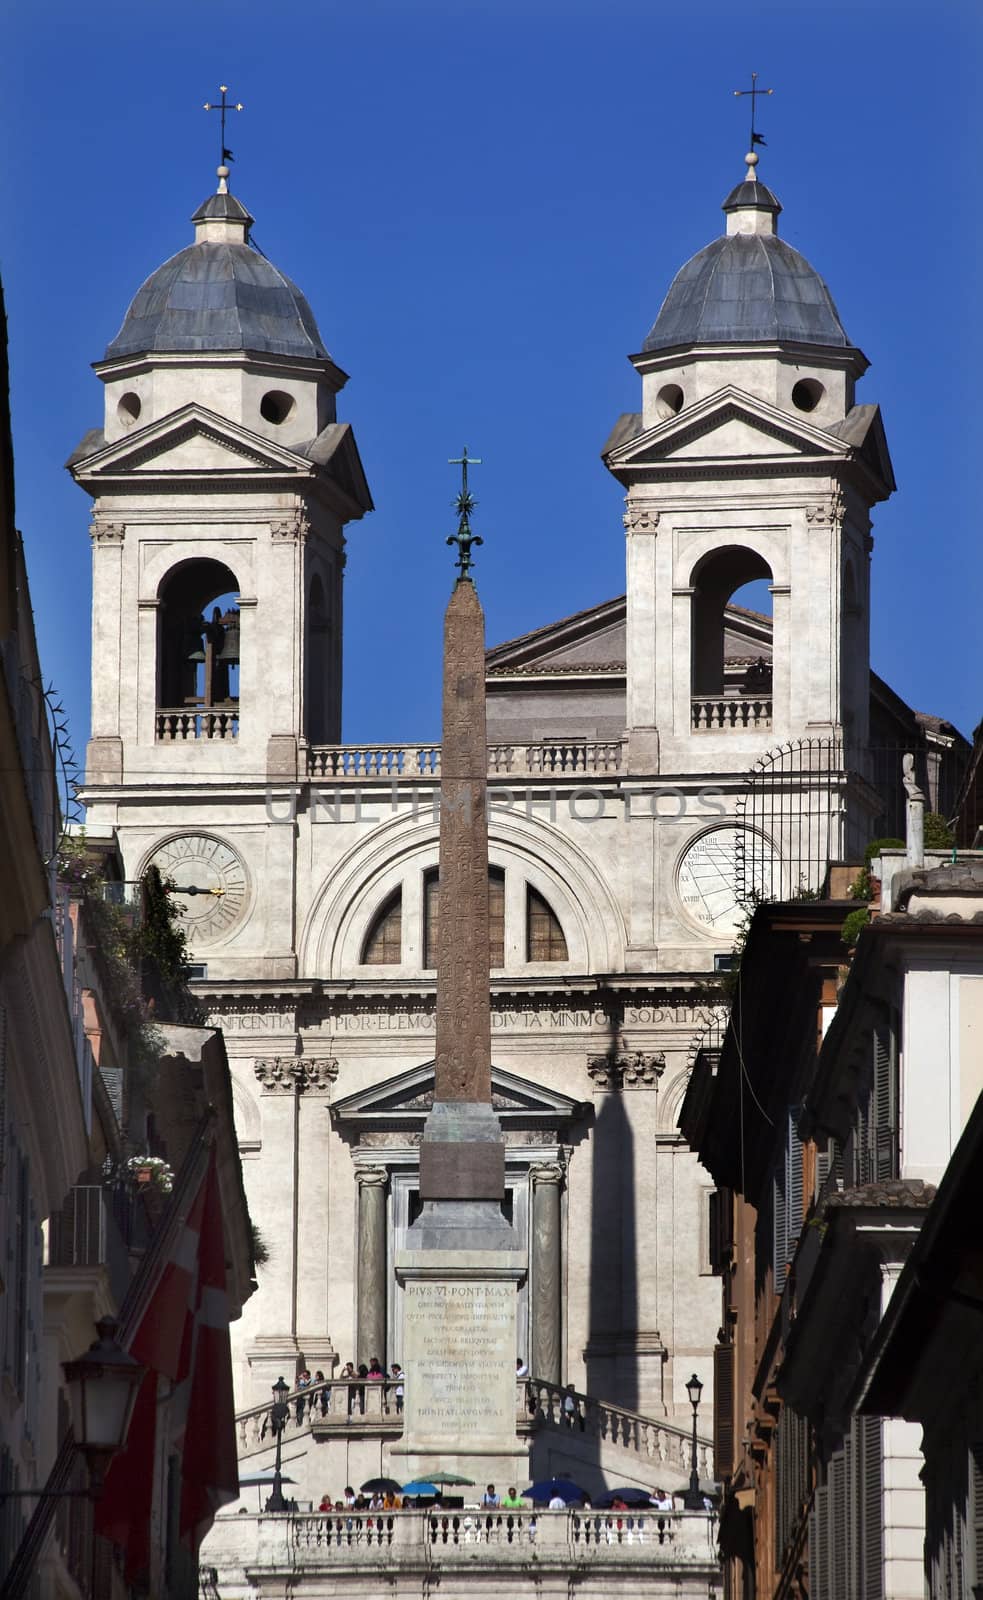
(223, 107)
(754, 91)
(464, 504)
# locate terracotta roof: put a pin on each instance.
(908, 1193)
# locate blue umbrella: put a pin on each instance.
(630, 1496)
(549, 1488)
(421, 1489)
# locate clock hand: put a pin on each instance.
(190, 888)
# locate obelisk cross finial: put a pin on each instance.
(754, 91)
(222, 108)
(464, 505)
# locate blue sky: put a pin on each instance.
(485, 204)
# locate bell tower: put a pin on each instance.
(749, 462)
(222, 482)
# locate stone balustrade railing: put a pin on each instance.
(333, 1407)
(655, 1442)
(354, 763)
(305, 1541)
(715, 713)
(176, 725)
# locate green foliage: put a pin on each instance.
(853, 926)
(862, 887)
(938, 834)
(161, 947)
(877, 845)
(261, 1251)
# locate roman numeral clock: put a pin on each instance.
(210, 885)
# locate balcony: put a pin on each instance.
(359, 763)
(720, 713)
(184, 724)
(87, 1234)
(675, 1549)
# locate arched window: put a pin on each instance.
(496, 916)
(544, 936)
(384, 940)
(198, 652)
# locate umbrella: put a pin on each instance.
(383, 1485)
(630, 1496)
(424, 1490)
(448, 1478)
(550, 1488)
(262, 1479)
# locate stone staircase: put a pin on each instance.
(341, 1433)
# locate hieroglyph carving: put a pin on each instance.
(291, 1075)
(638, 1070)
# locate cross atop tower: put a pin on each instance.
(754, 91)
(464, 504)
(222, 108)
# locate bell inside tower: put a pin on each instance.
(198, 639)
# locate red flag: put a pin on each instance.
(209, 1467)
(162, 1341)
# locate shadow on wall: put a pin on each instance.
(611, 1356)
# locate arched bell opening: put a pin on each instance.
(198, 652)
(719, 581)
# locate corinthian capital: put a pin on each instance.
(637, 1069)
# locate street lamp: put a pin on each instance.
(103, 1385)
(693, 1499)
(278, 1420)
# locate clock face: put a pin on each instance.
(197, 861)
(707, 877)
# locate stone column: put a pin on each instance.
(372, 1284)
(546, 1272)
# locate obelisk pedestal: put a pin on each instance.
(462, 1261)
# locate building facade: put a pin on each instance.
(641, 760)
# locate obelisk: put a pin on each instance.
(462, 1260)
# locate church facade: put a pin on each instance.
(656, 765)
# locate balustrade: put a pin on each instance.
(715, 713)
(181, 723)
(350, 763)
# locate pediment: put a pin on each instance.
(405, 1100)
(192, 442)
(589, 641)
(727, 426)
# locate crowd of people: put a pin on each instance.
(352, 1396)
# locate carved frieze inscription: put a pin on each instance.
(459, 1343)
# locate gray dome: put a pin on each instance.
(747, 287)
(219, 295)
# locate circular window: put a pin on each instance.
(276, 406)
(807, 394)
(129, 408)
(670, 399)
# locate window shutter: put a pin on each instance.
(837, 1526)
(794, 1191)
(818, 1547)
(779, 1218)
(975, 1517)
(884, 1113)
(870, 1542)
(723, 1410)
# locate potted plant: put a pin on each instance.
(152, 1171)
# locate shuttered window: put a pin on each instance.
(884, 1105)
(723, 1410)
(787, 1200)
(974, 1518)
(792, 1477)
(837, 1525)
(819, 1547)
(867, 1457)
(544, 936)
(384, 942)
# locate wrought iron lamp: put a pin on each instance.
(278, 1421)
(693, 1499)
(103, 1385)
